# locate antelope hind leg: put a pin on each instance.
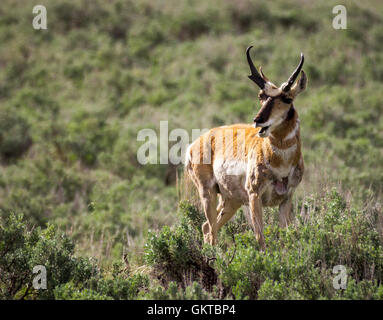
(228, 209)
(209, 228)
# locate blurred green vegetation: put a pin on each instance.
(74, 96)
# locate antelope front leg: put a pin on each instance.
(285, 207)
(257, 180)
(296, 175)
(285, 213)
(256, 218)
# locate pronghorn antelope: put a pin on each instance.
(254, 165)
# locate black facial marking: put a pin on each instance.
(286, 99)
(264, 113)
(290, 113)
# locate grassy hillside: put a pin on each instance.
(73, 98)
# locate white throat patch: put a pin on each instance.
(293, 132)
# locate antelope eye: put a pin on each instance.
(262, 96)
(287, 100)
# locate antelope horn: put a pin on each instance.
(262, 74)
(287, 86)
(255, 76)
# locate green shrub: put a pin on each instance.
(118, 287)
(69, 291)
(68, 277)
(22, 249)
(298, 261)
(122, 288)
(176, 253)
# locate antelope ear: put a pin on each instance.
(300, 85)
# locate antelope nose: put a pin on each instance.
(258, 119)
(257, 124)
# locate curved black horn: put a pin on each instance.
(294, 75)
(255, 76)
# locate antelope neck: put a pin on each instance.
(287, 127)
